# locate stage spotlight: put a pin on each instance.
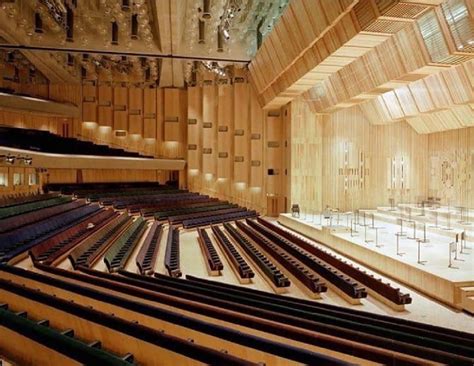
(27, 160)
(226, 34)
(10, 159)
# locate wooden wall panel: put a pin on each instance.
(89, 99)
(120, 108)
(241, 133)
(274, 152)
(194, 122)
(256, 143)
(172, 114)
(353, 157)
(149, 113)
(451, 167)
(306, 180)
(220, 102)
(209, 130)
(105, 105)
(135, 111)
(225, 127)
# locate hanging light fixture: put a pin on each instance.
(115, 33)
(206, 9)
(38, 23)
(220, 40)
(134, 27)
(69, 24)
(201, 39)
(10, 159)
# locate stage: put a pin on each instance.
(375, 246)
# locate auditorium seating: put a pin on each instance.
(57, 342)
(172, 207)
(160, 201)
(185, 209)
(215, 219)
(377, 285)
(14, 210)
(148, 253)
(116, 333)
(372, 337)
(271, 271)
(118, 254)
(53, 248)
(43, 141)
(82, 189)
(235, 259)
(87, 253)
(19, 199)
(307, 277)
(16, 222)
(400, 334)
(274, 352)
(341, 281)
(212, 258)
(178, 219)
(172, 262)
(20, 240)
(330, 331)
(121, 202)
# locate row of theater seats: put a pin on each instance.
(134, 203)
(156, 200)
(25, 207)
(22, 198)
(146, 257)
(307, 277)
(309, 266)
(272, 272)
(163, 202)
(44, 141)
(239, 264)
(172, 260)
(253, 325)
(118, 254)
(218, 218)
(52, 249)
(84, 189)
(40, 214)
(122, 325)
(24, 336)
(20, 239)
(213, 260)
(310, 255)
(94, 246)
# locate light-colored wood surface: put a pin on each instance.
(23, 351)
(439, 283)
(228, 134)
(111, 339)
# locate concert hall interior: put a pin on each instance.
(236, 182)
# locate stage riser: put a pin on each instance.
(434, 286)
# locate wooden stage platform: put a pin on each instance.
(453, 286)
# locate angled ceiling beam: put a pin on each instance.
(290, 51)
(397, 62)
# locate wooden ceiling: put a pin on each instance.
(392, 60)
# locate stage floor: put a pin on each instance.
(434, 277)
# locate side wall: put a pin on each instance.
(451, 166)
(343, 161)
(236, 151)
